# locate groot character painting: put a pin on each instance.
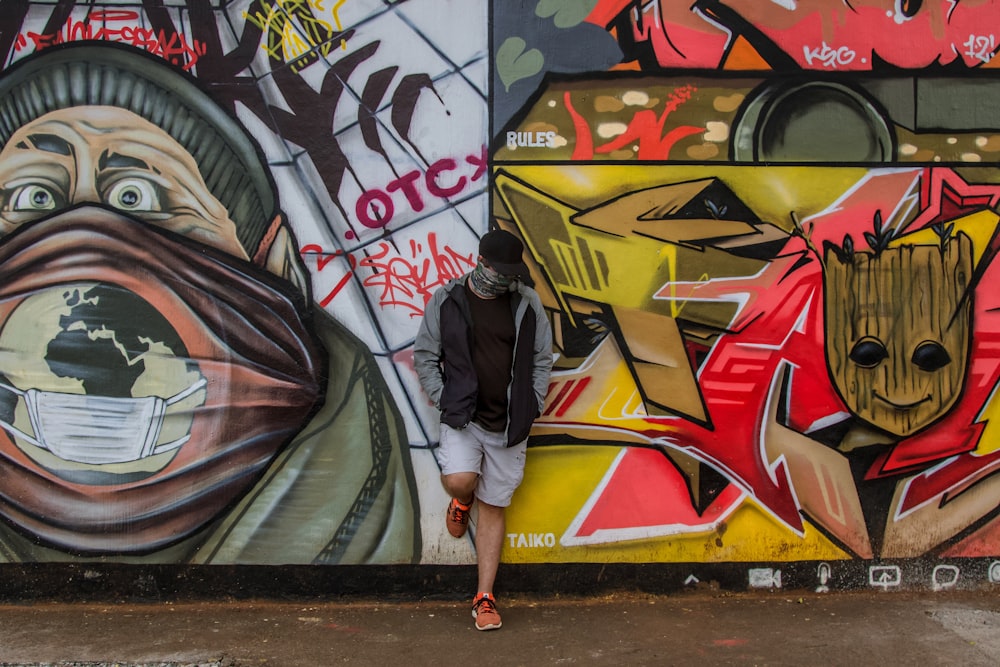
(897, 329)
(904, 471)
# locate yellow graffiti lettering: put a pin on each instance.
(264, 21)
(293, 28)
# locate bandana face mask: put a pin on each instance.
(488, 282)
(145, 382)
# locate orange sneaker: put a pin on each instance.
(484, 610)
(457, 517)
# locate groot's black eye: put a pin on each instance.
(930, 356)
(868, 353)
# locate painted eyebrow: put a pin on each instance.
(51, 143)
(117, 160)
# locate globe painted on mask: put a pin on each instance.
(96, 384)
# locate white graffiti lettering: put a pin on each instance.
(828, 56)
(531, 540)
(531, 140)
(980, 47)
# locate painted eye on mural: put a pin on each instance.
(930, 356)
(134, 194)
(868, 353)
(33, 197)
(909, 8)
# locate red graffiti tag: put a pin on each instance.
(173, 47)
(645, 128)
(375, 208)
(400, 281)
(409, 283)
(322, 259)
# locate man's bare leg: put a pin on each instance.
(489, 540)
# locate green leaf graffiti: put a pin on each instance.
(565, 13)
(514, 63)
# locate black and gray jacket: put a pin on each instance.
(442, 356)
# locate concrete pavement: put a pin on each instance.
(705, 628)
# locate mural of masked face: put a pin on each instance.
(109, 156)
(898, 325)
(149, 371)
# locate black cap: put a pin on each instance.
(502, 251)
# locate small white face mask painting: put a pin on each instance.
(97, 430)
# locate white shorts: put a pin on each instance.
(474, 449)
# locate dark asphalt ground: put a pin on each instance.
(696, 628)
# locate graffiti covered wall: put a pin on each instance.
(764, 233)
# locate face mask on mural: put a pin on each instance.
(96, 429)
(145, 382)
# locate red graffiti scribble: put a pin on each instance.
(646, 128)
(480, 162)
(375, 208)
(405, 282)
(410, 284)
(322, 259)
(174, 48)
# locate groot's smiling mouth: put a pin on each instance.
(901, 406)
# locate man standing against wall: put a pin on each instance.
(483, 355)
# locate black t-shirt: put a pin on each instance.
(492, 357)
